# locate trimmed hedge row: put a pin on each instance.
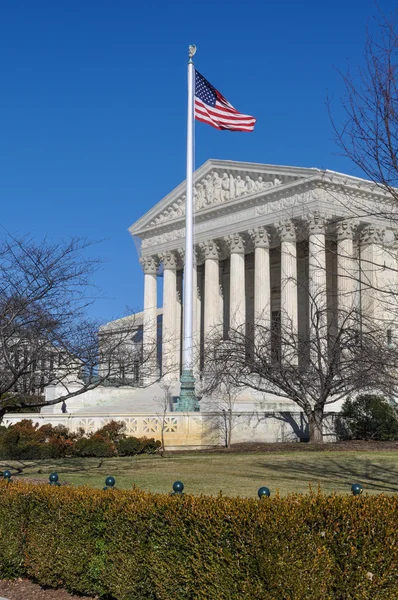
(133, 544)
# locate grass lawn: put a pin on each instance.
(233, 473)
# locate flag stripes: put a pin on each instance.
(211, 107)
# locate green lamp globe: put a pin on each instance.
(356, 489)
(263, 492)
(178, 487)
(110, 481)
(53, 478)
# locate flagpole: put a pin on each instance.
(188, 401)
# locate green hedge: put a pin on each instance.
(135, 545)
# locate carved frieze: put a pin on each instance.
(214, 189)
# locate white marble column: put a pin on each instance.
(150, 368)
(289, 303)
(317, 272)
(262, 278)
(237, 290)
(346, 269)
(212, 316)
(170, 308)
(373, 301)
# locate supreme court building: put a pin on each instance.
(267, 240)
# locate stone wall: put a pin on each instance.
(191, 430)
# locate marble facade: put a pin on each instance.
(268, 240)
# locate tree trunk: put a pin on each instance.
(225, 426)
(229, 437)
(315, 420)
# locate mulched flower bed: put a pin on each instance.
(22, 589)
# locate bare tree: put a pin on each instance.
(221, 405)
(368, 133)
(335, 358)
(164, 401)
(46, 336)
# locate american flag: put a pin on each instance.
(211, 107)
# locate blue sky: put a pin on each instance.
(93, 107)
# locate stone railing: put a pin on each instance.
(190, 430)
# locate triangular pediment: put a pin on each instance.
(218, 184)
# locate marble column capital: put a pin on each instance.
(149, 264)
(235, 243)
(169, 260)
(260, 237)
(316, 223)
(210, 249)
(181, 256)
(286, 230)
(372, 234)
(345, 229)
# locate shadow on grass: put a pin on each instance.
(375, 475)
(77, 465)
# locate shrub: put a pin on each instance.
(112, 431)
(133, 544)
(150, 445)
(28, 441)
(131, 446)
(370, 417)
(94, 446)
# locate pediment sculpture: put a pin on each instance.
(215, 189)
